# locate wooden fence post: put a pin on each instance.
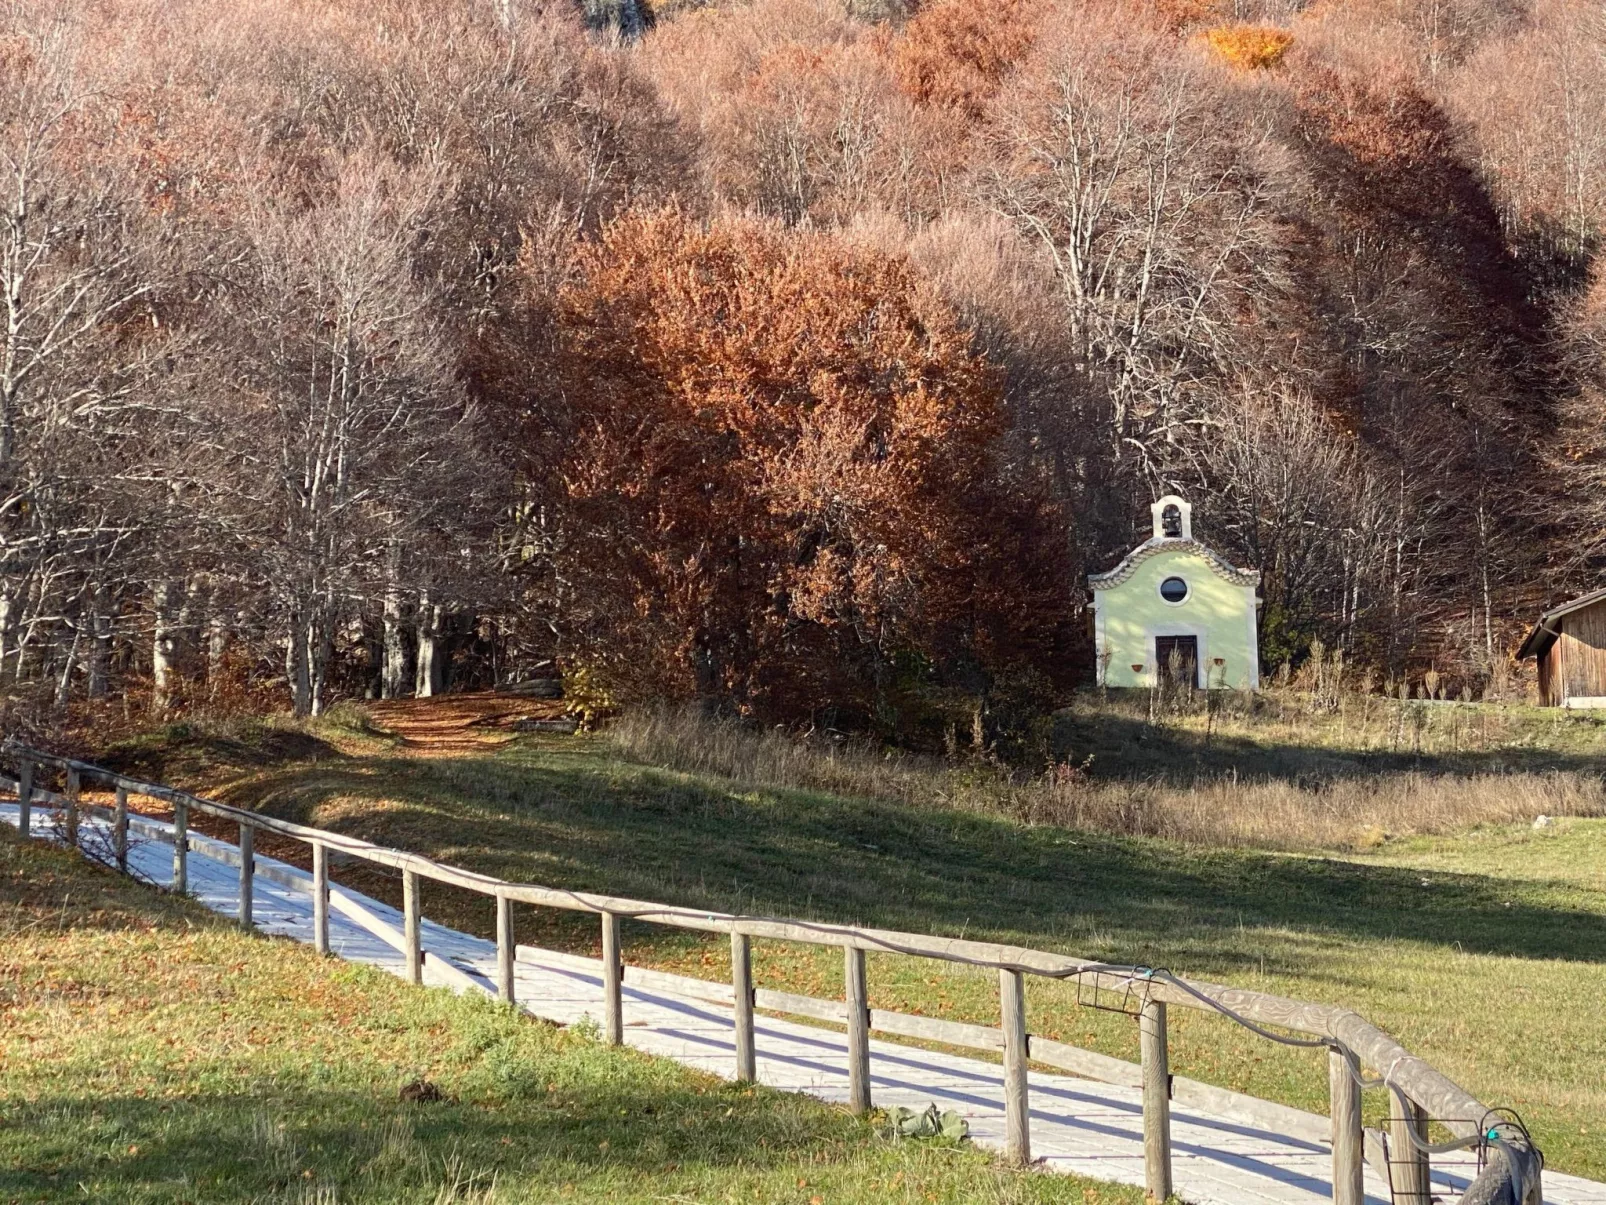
(1408, 1167)
(24, 796)
(1017, 1101)
(505, 949)
(120, 829)
(858, 999)
(320, 897)
(742, 986)
(1344, 1107)
(613, 1012)
(1156, 1100)
(412, 927)
(248, 869)
(181, 848)
(74, 788)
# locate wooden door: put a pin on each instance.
(1178, 659)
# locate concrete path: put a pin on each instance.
(1078, 1125)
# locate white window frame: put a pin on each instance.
(1160, 594)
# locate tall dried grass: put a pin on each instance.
(1333, 812)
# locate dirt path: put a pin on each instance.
(452, 725)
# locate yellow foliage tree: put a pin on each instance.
(1250, 47)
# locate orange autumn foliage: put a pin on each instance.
(1250, 47)
(1179, 14)
(783, 481)
(954, 54)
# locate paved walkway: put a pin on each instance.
(1078, 1125)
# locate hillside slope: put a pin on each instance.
(1487, 974)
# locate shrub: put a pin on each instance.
(1250, 47)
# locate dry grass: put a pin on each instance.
(1335, 814)
(1216, 806)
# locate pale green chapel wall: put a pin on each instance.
(1216, 611)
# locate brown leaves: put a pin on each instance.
(1388, 127)
(956, 53)
(782, 463)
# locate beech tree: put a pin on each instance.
(800, 114)
(1401, 215)
(1135, 173)
(81, 274)
(791, 480)
(1534, 102)
(346, 402)
(381, 349)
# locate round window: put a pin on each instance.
(1173, 589)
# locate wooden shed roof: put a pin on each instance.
(1543, 636)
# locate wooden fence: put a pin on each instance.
(1354, 1046)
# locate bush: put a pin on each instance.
(1250, 47)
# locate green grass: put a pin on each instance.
(1482, 953)
(151, 1052)
(1572, 853)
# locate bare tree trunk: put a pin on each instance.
(431, 661)
(64, 683)
(295, 665)
(217, 644)
(373, 644)
(100, 630)
(184, 630)
(25, 625)
(8, 625)
(397, 675)
(164, 646)
(394, 677)
(320, 649)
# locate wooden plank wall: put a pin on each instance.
(1579, 655)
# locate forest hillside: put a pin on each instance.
(797, 356)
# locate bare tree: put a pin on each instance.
(348, 411)
(1534, 102)
(1135, 173)
(82, 338)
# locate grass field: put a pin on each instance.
(151, 1052)
(1269, 771)
(1483, 951)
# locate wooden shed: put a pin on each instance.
(1570, 643)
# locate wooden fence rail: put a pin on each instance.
(1418, 1091)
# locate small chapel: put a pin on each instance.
(1173, 610)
